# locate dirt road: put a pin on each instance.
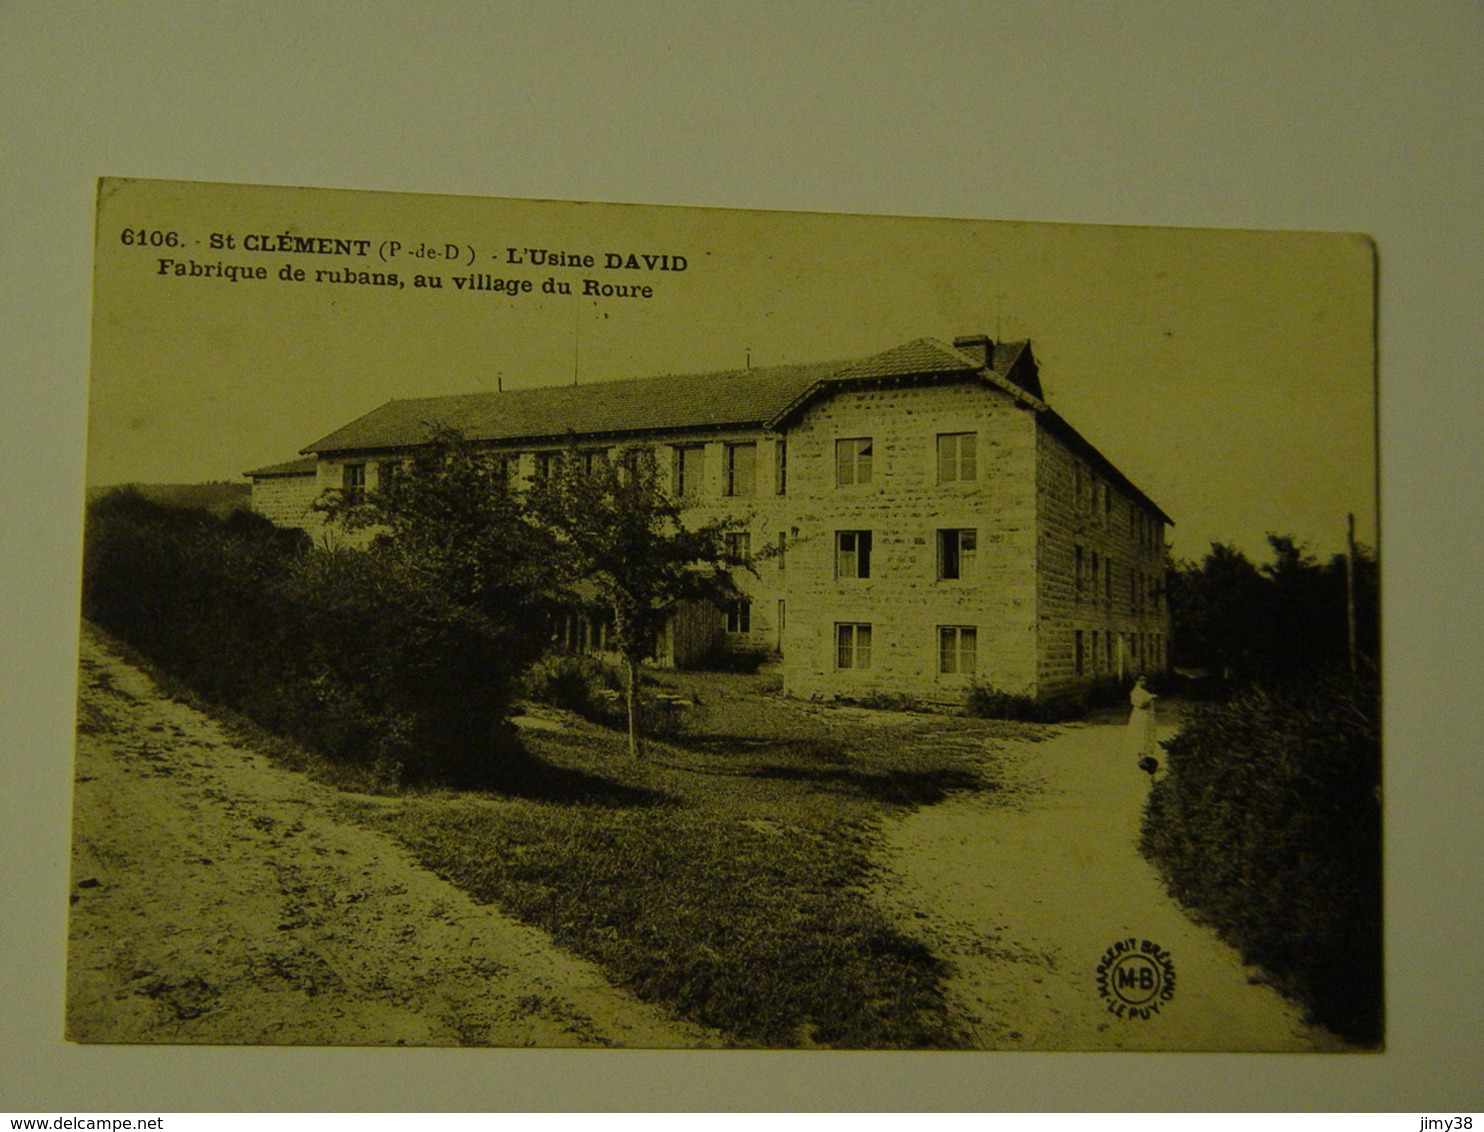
(215, 899)
(1025, 891)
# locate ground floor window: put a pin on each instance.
(739, 616)
(852, 645)
(957, 646)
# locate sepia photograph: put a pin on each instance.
(521, 623)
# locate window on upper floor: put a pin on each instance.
(852, 645)
(957, 457)
(958, 547)
(386, 473)
(780, 466)
(1077, 568)
(547, 465)
(593, 460)
(504, 468)
(353, 482)
(689, 470)
(853, 461)
(852, 554)
(636, 459)
(741, 468)
(957, 645)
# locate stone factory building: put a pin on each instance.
(938, 525)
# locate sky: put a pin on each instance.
(1229, 374)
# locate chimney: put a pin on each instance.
(977, 346)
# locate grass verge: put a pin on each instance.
(725, 876)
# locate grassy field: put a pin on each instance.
(726, 875)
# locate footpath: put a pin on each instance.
(217, 899)
(1025, 890)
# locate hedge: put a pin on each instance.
(1268, 825)
(340, 651)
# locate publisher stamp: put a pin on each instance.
(1135, 978)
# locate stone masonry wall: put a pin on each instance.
(1101, 559)
(904, 507)
(1036, 508)
(286, 500)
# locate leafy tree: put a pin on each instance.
(1212, 608)
(622, 538)
(449, 518)
(1285, 617)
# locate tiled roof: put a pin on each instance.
(920, 356)
(924, 357)
(728, 398)
(676, 401)
(745, 397)
(303, 466)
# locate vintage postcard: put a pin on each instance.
(545, 624)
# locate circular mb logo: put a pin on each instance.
(1135, 978)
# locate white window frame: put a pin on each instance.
(739, 616)
(733, 487)
(738, 544)
(849, 561)
(952, 549)
(954, 464)
(958, 650)
(853, 646)
(689, 486)
(854, 457)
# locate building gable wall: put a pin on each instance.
(904, 506)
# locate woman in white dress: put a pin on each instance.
(1141, 723)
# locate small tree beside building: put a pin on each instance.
(620, 536)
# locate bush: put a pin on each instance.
(342, 652)
(991, 703)
(595, 690)
(888, 701)
(572, 683)
(1268, 824)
